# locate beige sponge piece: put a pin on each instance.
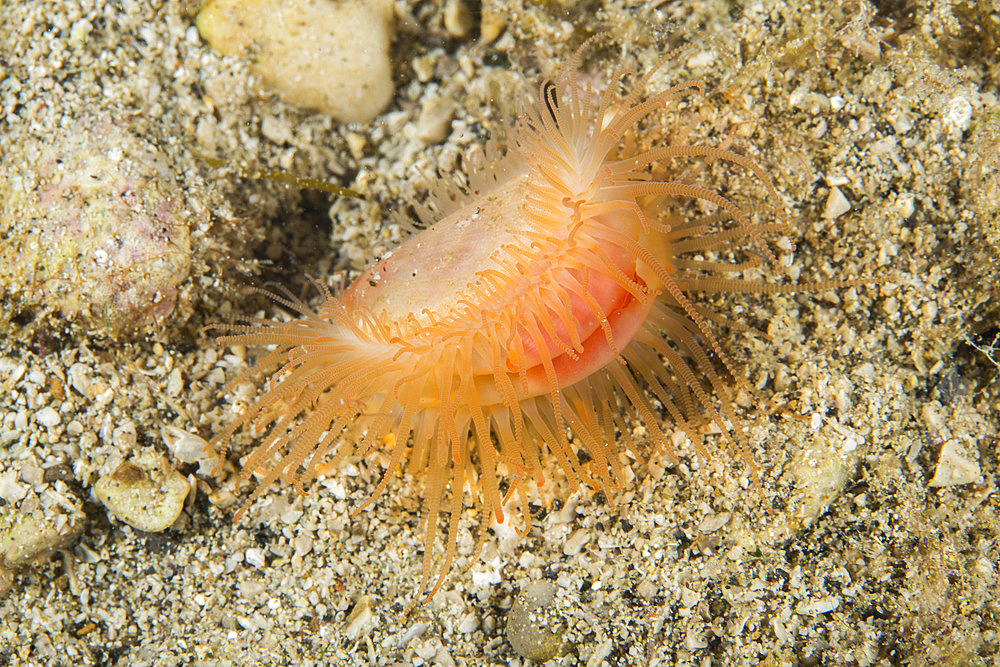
(326, 55)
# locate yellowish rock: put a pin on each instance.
(26, 536)
(146, 493)
(491, 24)
(326, 55)
(457, 18)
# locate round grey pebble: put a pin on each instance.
(534, 627)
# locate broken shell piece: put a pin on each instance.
(957, 428)
(146, 494)
(491, 24)
(190, 448)
(836, 204)
(361, 619)
(956, 465)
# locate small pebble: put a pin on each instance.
(190, 448)
(457, 18)
(434, 123)
(713, 522)
(602, 651)
(31, 473)
(821, 472)
(647, 589)
(689, 598)
(11, 490)
(175, 383)
(836, 204)
(255, 556)
(491, 25)
(489, 624)
(413, 632)
(251, 589)
(469, 623)
(426, 650)
(47, 417)
(356, 144)
(815, 607)
(958, 432)
(574, 544)
(303, 544)
(701, 59)
(361, 619)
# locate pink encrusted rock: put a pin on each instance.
(96, 235)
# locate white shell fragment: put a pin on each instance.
(956, 465)
(47, 417)
(957, 429)
(190, 448)
(11, 490)
(815, 607)
(575, 543)
(836, 204)
(713, 522)
(361, 619)
(145, 493)
(534, 626)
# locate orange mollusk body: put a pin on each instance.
(474, 267)
(519, 325)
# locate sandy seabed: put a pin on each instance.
(874, 540)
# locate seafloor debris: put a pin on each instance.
(190, 448)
